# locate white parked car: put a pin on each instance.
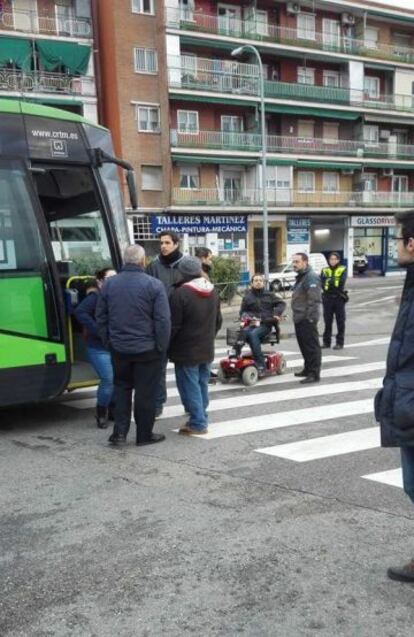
(360, 263)
(283, 277)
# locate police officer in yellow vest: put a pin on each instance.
(334, 297)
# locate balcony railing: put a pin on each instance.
(252, 142)
(226, 76)
(31, 22)
(290, 198)
(255, 29)
(42, 82)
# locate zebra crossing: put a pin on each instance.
(279, 403)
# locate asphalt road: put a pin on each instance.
(255, 530)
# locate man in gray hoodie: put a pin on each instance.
(306, 308)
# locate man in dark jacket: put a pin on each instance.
(196, 319)
(133, 319)
(165, 268)
(334, 297)
(265, 306)
(306, 303)
(394, 403)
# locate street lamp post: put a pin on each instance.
(236, 53)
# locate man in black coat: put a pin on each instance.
(265, 306)
(133, 321)
(394, 403)
(195, 319)
(165, 268)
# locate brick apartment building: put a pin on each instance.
(339, 100)
(46, 53)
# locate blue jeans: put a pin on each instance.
(100, 359)
(407, 466)
(192, 384)
(254, 336)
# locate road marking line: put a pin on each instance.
(384, 298)
(87, 403)
(287, 419)
(375, 341)
(279, 396)
(326, 446)
(393, 477)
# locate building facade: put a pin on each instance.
(339, 103)
(46, 53)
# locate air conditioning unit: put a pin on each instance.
(387, 172)
(385, 134)
(348, 18)
(348, 171)
(293, 7)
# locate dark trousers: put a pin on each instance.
(161, 395)
(333, 306)
(140, 373)
(308, 341)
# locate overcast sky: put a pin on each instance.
(402, 4)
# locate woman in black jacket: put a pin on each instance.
(267, 308)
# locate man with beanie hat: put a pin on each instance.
(334, 297)
(195, 321)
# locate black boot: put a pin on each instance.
(101, 417)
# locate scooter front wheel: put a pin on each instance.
(282, 366)
(250, 375)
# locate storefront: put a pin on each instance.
(374, 237)
(224, 235)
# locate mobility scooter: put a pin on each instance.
(243, 366)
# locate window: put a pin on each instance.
(331, 78)
(306, 26)
(371, 38)
(305, 75)
(330, 182)
(306, 130)
(148, 118)
(371, 134)
(330, 132)
(369, 182)
(189, 177)
(401, 43)
(151, 177)
(143, 6)
(145, 60)
(371, 87)
(306, 181)
(331, 31)
(231, 123)
(187, 10)
(261, 22)
(187, 121)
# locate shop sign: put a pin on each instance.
(298, 230)
(198, 224)
(373, 222)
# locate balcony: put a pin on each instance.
(187, 20)
(226, 76)
(252, 142)
(290, 198)
(27, 82)
(32, 22)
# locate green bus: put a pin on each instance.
(61, 219)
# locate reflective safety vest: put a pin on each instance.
(333, 276)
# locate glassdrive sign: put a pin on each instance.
(54, 139)
(198, 224)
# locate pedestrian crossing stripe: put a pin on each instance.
(287, 419)
(326, 446)
(393, 477)
(273, 397)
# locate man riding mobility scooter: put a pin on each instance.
(260, 314)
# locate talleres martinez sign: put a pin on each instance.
(198, 224)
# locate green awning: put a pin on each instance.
(388, 164)
(72, 56)
(210, 99)
(391, 15)
(271, 161)
(17, 51)
(316, 112)
(206, 159)
(303, 163)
